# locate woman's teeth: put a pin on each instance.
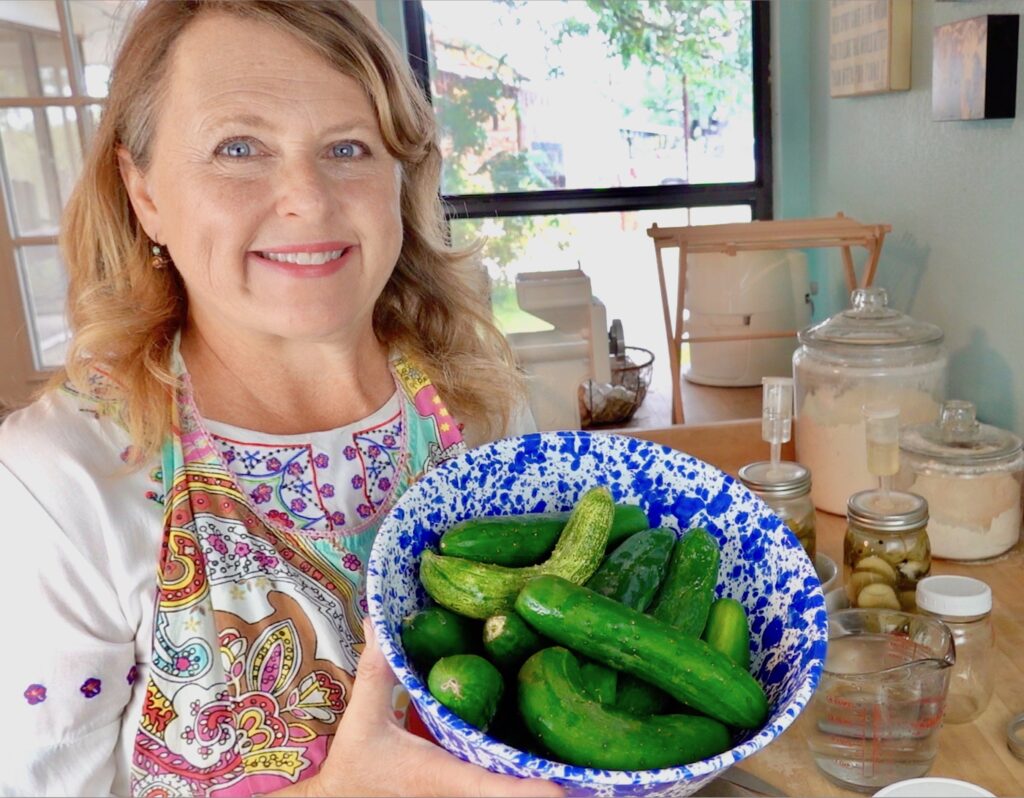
(303, 258)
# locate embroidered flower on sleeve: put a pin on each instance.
(35, 694)
(357, 481)
(297, 505)
(321, 461)
(389, 440)
(327, 490)
(350, 452)
(90, 687)
(351, 562)
(384, 484)
(241, 549)
(364, 510)
(338, 518)
(274, 464)
(295, 469)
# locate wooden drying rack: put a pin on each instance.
(838, 231)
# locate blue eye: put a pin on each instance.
(347, 149)
(236, 149)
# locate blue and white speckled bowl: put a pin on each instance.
(762, 566)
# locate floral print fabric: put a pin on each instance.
(260, 596)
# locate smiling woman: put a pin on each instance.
(269, 331)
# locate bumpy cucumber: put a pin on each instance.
(518, 540)
(580, 731)
(511, 540)
(435, 632)
(469, 686)
(685, 667)
(689, 587)
(509, 641)
(727, 631)
(480, 590)
(633, 572)
(638, 697)
(599, 681)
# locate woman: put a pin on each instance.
(266, 320)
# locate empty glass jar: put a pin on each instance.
(965, 606)
(869, 354)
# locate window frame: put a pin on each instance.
(21, 371)
(757, 193)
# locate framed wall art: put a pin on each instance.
(974, 68)
(869, 46)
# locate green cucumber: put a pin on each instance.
(600, 682)
(633, 572)
(580, 731)
(435, 632)
(684, 597)
(469, 686)
(480, 590)
(689, 587)
(509, 641)
(518, 540)
(727, 631)
(638, 697)
(685, 667)
(510, 540)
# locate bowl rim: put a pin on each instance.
(779, 719)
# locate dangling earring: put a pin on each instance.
(160, 259)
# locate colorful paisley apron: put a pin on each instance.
(258, 626)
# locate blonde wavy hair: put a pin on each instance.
(125, 314)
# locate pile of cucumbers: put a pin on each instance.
(586, 637)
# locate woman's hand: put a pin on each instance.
(372, 755)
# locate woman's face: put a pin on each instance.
(270, 186)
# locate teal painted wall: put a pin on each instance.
(951, 191)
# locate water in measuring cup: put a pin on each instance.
(870, 732)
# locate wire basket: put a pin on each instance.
(602, 404)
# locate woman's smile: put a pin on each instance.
(307, 260)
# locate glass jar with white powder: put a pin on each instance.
(971, 475)
(870, 354)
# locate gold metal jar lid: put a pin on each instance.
(888, 511)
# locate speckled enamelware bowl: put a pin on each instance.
(762, 566)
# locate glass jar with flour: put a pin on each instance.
(971, 475)
(869, 354)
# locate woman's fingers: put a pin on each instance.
(375, 756)
(374, 682)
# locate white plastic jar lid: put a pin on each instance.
(955, 596)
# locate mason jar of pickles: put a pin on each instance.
(786, 488)
(885, 551)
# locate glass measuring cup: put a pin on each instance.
(879, 705)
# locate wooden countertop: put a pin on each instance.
(974, 752)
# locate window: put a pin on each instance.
(54, 66)
(569, 126)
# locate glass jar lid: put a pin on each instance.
(870, 322)
(958, 439)
(887, 511)
(782, 480)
